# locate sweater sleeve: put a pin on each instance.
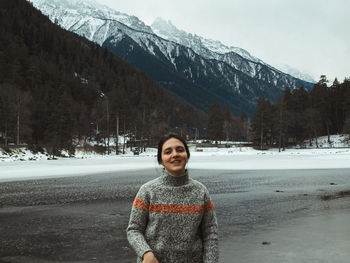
(138, 223)
(209, 227)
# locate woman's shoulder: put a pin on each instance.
(201, 190)
(147, 188)
(198, 184)
(150, 184)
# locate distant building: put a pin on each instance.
(192, 147)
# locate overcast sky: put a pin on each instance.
(310, 35)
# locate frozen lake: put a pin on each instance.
(317, 237)
(209, 159)
(298, 215)
(283, 215)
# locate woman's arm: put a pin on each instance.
(138, 223)
(209, 227)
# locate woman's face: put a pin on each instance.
(174, 156)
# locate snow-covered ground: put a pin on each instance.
(234, 158)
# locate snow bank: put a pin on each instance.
(216, 158)
(22, 164)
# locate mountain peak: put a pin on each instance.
(160, 22)
(168, 31)
(296, 73)
(206, 47)
(75, 14)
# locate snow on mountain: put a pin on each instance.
(214, 49)
(168, 31)
(98, 23)
(231, 74)
(88, 18)
(296, 73)
(211, 49)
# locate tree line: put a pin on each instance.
(299, 116)
(223, 125)
(58, 89)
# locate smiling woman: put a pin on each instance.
(172, 217)
(173, 154)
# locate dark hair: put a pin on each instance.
(164, 139)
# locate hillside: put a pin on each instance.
(199, 70)
(56, 86)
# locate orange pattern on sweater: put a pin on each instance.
(139, 203)
(173, 209)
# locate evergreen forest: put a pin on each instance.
(299, 116)
(58, 89)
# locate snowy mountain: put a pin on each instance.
(205, 47)
(296, 73)
(214, 49)
(198, 70)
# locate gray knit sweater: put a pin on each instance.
(173, 216)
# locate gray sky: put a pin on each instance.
(310, 35)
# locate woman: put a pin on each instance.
(172, 218)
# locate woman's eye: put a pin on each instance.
(180, 150)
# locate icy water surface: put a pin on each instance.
(264, 216)
(322, 237)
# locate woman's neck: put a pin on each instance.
(175, 180)
(179, 173)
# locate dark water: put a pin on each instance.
(83, 219)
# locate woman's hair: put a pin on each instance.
(164, 139)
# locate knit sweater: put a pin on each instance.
(173, 216)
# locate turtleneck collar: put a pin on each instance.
(173, 180)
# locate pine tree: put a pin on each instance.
(244, 127)
(346, 128)
(320, 102)
(59, 132)
(8, 113)
(281, 119)
(227, 124)
(346, 103)
(215, 123)
(300, 102)
(313, 124)
(259, 123)
(336, 97)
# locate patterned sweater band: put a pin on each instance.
(177, 209)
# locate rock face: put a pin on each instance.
(201, 71)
